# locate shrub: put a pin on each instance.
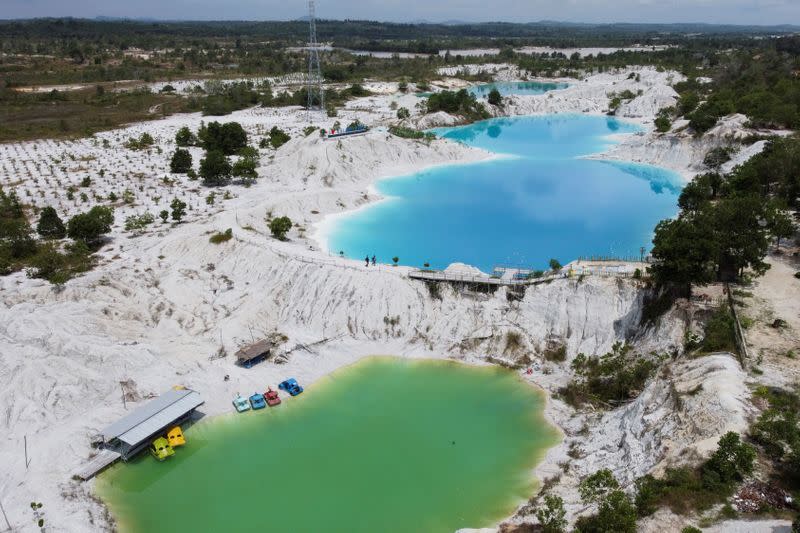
(181, 161)
(556, 354)
(460, 103)
(552, 516)
(219, 238)
(92, 225)
(280, 227)
(278, 137)
(51, 264)
(495, 98)
(50, 225)
(16, 237)
(716, 157)
(403, 113)
(663, 122)
(608, 380)
(178, 209)
(163, 215)
(685, 489)
(215, 169)
(408, 133)
(144, 141)
(185, 137)
(245, 168)
(555, 265)
(137, 223)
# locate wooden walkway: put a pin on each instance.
(98, 463)
(504, 281)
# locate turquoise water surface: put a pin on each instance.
(384, 446)
(541, 201)
(526, 88)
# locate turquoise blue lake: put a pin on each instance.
(527, 88)
(543, 200)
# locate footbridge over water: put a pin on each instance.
(503, 276)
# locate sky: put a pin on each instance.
(748, 12)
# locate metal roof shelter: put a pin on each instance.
(134, 431)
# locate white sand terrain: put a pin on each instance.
(168, 307)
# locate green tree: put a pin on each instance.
(50, 225)
(695, 196)
(780, 224)
(741, 238)
(495, 98)
(178, 208)
(403, 113)
(215, 169)
(615, 511)
(552, 515)
(227, 138)
(280, 227)
(181, 161)
(92, 225)
(555, 265)
(685, 252)
(185, 137)
(163, 215)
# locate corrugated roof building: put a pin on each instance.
(135, 431)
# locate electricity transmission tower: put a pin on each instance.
(316, 96)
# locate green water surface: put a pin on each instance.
(388, 445)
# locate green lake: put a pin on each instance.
(387, 444)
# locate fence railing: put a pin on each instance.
(741, 341)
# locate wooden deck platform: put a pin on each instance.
(99, 462)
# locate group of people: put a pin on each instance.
(366, 261)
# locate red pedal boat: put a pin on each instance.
(272, 397)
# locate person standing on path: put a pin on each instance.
(373, 260)
(366, 260)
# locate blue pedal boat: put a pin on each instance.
(257, 401)
(291, 386)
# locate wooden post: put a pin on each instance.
(5, 516)
(27, 463)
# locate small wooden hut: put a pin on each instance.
(252, 354)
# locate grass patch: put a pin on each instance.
(73, 114)
(557, 354)
(720, 332)
(220, 237)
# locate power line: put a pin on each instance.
(316, 94)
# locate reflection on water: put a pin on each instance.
(547, 201)
(520, 88)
